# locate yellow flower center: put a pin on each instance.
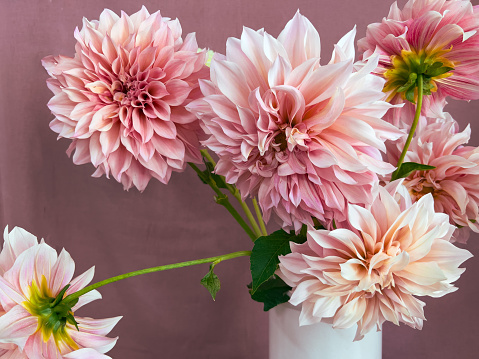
(53, 315)
(405, 70)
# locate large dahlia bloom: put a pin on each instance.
(438, 38)
(31, 277)
(304, 138)
(453, 182)
(121, 97)
(372, 271)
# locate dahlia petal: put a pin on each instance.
(97, 326)
(252, 47)
(349, 313)
(16, 326)
(81, 281)
(345, 48)
(99, 343)
(423, 273)
(300, 39)
(86, 353)
(9, 295)
(86, 298)
(322, 83)
(230, 82)
(16, 242)
(62, 272)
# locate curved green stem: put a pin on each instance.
(217, 259)
(222, 199)
(259, 216)
(420, 95)
(235, 192)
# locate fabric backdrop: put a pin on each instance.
(169, 314)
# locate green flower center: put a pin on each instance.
(53, 315)
(402, 77)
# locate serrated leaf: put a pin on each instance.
(409, 167)
(211, 282)
(271, 293)
(264, 256)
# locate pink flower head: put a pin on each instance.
(32, 275)
(440, 35)
(121, 97)
(454, 182)
(304, 138)
(371, 272)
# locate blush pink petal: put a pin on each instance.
(16, 326)
(15, 242)
(86, 353)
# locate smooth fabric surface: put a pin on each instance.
(169, 314)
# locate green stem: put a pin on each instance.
(235, 192)
(415, 122)
(259, 216)
(207, 155)
(223, 200)
(217, 259)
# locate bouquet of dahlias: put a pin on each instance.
(369, 180)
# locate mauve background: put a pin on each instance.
(169, 314)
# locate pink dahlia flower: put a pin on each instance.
(372, 272)
(304, 138)
(121, 97)
(454, 182)
(438, 35)
(32, 275)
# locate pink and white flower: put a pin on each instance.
(304, 138)
(371, 272)
(427, 32)
(453, 182)
(32, 275)
(121, 98)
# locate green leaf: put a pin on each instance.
(410, 94)
(211, 282)
(411, 82)
(271, 293)
(264, 257)
(409, 167)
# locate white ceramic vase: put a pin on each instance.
(287, 340)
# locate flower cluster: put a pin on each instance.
(32, 277)
(319, 146)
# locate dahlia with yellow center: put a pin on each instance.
(436, 40)
(38, 322)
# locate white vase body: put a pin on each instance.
(287, 340)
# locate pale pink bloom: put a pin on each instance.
(454, 182)
(304, 138)
(121, 97)
(443, 31)
(32, 275)
(371, 272)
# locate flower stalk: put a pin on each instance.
(420, 95)
(223, 200)
(215, 260)
(235, 192)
